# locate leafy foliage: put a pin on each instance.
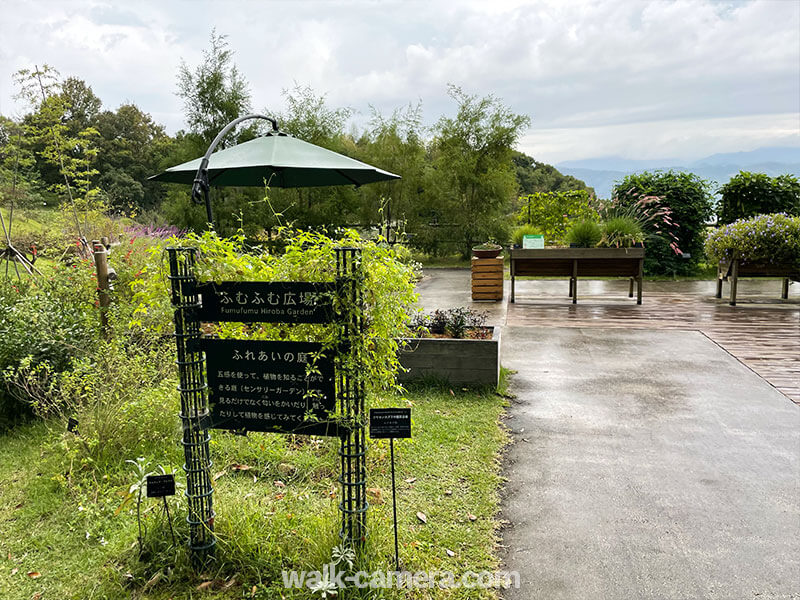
(689, 200)
(306, 256)
(471, 181)
(585, 233)
(51, 323)
(534, 176)
(552, 212)
(748, 194)
(770, 239)
(453, 321)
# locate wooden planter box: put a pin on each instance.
(580, 262)
(735, 269)
(487, 278)
(460, 362)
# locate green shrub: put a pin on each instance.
(585, 234)
(679, 247)
(748, 194)
(771, 239)
(621, 232)
(552, 212)
(523, 230)
(52, 321)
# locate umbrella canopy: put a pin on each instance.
(280, 160)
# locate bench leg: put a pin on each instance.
(785, 289)
(639, 279)
(630, 289)
(734, 279)
(574, 281)
(571, 285)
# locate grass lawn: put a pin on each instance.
(62, 534)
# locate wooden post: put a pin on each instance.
(734, 280)
(785, 289)
(720, 275)
(101, 264)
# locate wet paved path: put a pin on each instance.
(648, 462)
(762, 331)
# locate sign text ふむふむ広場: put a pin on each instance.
(269, 302)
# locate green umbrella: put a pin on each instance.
(275, 159)
(280, 160)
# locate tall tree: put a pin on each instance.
(132, 147)
(396, 144)
(214, 93)
(472, 182)
(65, 151)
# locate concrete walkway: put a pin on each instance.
(645, 464)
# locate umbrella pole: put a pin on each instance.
(200, 187)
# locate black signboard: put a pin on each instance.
(267, 302)
(267, 386)
(389, 423)
(159, 486)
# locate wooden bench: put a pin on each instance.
(735, 269)
(580, 262)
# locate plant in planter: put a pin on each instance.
(470, 357)
(584, 234)
(488, 249)
(649, 212)
(456, 323)
(523, 230)
(765, 239)
(621, 232)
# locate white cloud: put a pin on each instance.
(684, 139)
(578, 68)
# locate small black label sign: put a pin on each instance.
(159, 486)
(266, 302)
(389, 423)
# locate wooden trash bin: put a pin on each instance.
(487, 278)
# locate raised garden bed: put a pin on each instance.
(580, 262)
(469, 362)
(734, 269)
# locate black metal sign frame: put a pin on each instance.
(340, 391)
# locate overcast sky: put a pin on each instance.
(639, 79)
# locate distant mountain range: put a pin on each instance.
(602, 173)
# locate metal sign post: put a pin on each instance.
(391, 423)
